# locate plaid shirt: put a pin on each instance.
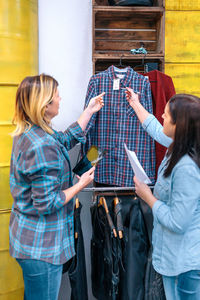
(116, 123)
(41, 226)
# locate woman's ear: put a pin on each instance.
(46, 107)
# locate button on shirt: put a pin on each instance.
(116, 123)
(41, 226)
(176, 233)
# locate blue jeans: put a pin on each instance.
(42, 280)
(185, 286)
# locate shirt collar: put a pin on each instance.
(128, 75)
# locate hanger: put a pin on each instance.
(119, 218)
(76, 206)
(102, 201)
(145, 66)
(120, 65)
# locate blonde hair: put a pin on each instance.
(33, 94)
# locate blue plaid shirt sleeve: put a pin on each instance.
(70, 137)
(147, 95)
(42, 169)
(91, 92)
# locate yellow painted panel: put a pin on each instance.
(13, 295)
(186, 77)
(6, 199)
(6, 144)
(182, 36)
(17, 60)
(11, 278)
(7, 102)
(4, 227)
(18, 40)
(182, 5)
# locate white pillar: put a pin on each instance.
(65, 52)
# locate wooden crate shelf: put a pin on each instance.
(117, 56)
(118, 29)
(135, 9)
(158, 3)
(100, 65)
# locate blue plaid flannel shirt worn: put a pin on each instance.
(41, 226)
(116, 123)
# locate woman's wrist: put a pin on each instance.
(151, 200)
(135, 104)
(84, 118)
(89, 111)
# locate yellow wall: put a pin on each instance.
(182, 44)
(18, 58)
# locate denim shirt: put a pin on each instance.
(176, 232)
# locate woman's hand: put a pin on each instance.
(144, 192)
(96, 103)
(131, 97)
(86, 178)
(133, 100)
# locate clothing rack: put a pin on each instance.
(106, 189)
(112, 191)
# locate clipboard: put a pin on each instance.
(136, 166)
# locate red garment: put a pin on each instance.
(162, 89)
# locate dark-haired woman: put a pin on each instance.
(176, 199)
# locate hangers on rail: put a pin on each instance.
(146, 68)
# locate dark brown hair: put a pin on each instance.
(185, 113)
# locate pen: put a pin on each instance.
(134, 92)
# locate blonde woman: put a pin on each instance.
(41, 222)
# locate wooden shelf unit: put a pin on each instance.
(118, 29)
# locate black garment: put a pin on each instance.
(148, 218)
(76, 267)
(118, 265)
(99, 225)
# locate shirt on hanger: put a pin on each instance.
(116, 123)
(162, 89)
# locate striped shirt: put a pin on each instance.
(41, 226)
(116, 123)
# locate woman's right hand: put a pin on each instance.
(86, 178)
(131, 97)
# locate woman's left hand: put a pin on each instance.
(96, 103)
(144, 192)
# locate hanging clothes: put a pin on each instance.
(162, 89)
(118, 265)
(76, 266)
(116, 123)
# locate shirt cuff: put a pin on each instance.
(76, 130)
(155, 209)
(147, 121)
(60, 201)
